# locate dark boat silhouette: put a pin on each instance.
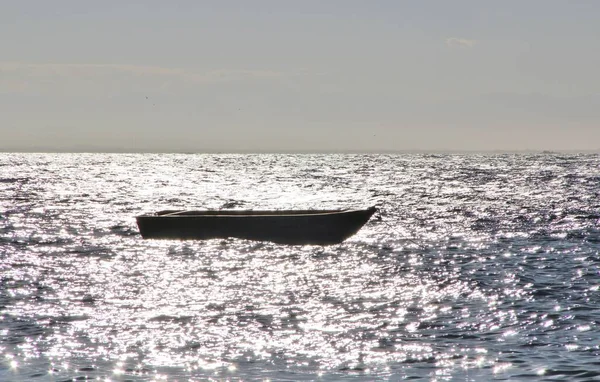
(319, 227)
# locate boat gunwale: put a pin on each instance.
(248, 213)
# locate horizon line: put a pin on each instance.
(42, 150)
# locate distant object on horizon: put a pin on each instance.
(294, 227)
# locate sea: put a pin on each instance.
(476, 267)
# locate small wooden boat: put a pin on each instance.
(285, 227)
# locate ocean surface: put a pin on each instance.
(476, 267)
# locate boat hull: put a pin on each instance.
(284, 227)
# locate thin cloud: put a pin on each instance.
(455, 42)
(83, 69)
(18, 76)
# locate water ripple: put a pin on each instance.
(476, 267)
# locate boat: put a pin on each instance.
(296, 227)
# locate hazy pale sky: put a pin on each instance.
(272, 75)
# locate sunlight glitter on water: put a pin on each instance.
(459, 275)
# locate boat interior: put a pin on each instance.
(243, 212)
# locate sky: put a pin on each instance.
(310, 75)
